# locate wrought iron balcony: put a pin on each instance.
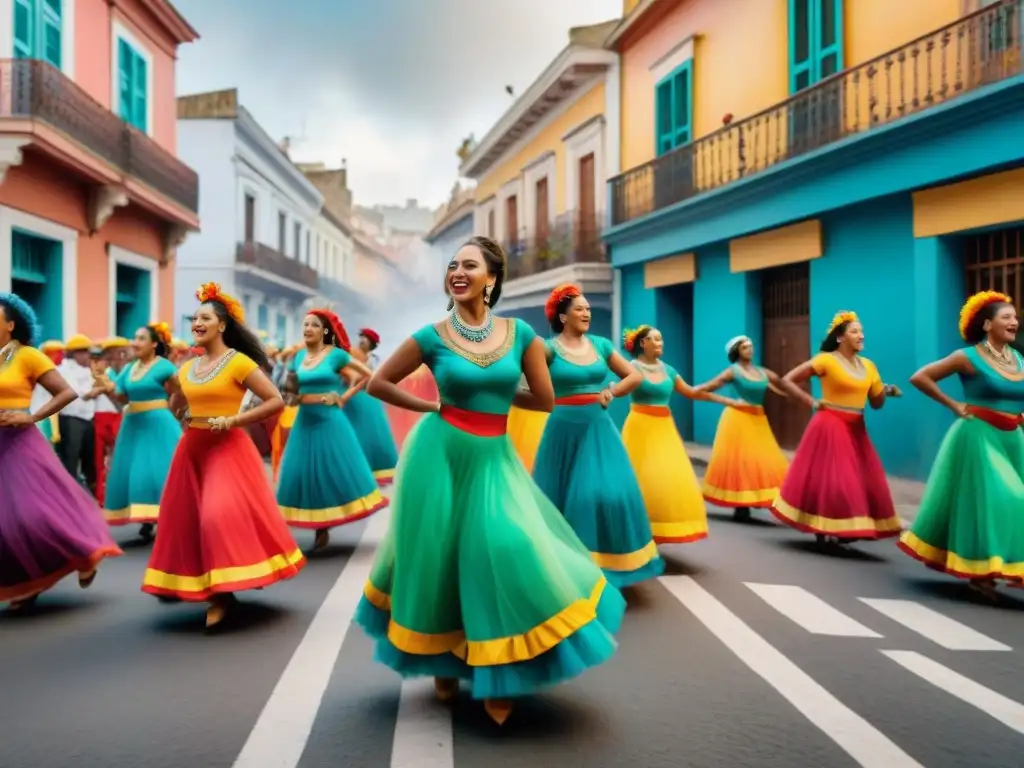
(270, 260)
(981, 48)
(572, 239)
(35, 90)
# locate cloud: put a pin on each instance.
(391, 85)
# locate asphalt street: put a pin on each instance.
(755, 649)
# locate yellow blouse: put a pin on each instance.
(18, 378)
(220, 392)
(841, 387)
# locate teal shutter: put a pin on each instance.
(132, 92)
(124, 79)
(674, 109)
(50, 32)
(263, 319)
(140, 99)
(24, 28)
(815, 41)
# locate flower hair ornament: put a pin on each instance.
(975, 304)
(163, 332)
(372, 336)
(735, 341)
(336, 326)
(843, 316)
(629, 337)
(211, 292)
(559, 294)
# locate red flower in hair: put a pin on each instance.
(335, 324)
(370, 334)
(563, 291)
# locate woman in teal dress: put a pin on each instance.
(479, 576)
(370, 422)
(581, 464)
(969, 523)
(325, 480)
(148, 435)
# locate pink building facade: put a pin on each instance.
(93, 200)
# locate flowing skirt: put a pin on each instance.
(669, 485)
(970, 521)
(421, 384)
(525, 430)
(368, 419)
(49, 525)
(479, 577)
(279, 437)
(836, 485)
(50, 429)
(220, 529)
(325, 478)
(747, 466)
(582, 467)
(142, 458)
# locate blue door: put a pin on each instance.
(132, 304)
(37, 275)
(262, 318)
(282, 330)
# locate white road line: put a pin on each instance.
(1005, 710)
(810, 611)
(934, 626)
(282, 730)
(855, 735)
(423, 730)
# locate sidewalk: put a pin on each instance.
(906, 494)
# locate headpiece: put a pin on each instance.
(163, 331)
(27, 315)
(114, 342)
(735, 341)
(843, 316)
(335, 324)
(630, 335)
(78, 343)
(212, 292)
(180, 344)
(370, 334)
(974, 305)
(558, 295)
(52, 346)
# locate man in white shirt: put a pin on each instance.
(109, 363)
(77, 438)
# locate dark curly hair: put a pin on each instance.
(638, 341)
(18, 311)
(241, 338)
(496, 261)
(161, 347)
(975, 331)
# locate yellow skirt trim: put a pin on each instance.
(384, 474)
(218, 576)
(751, 498)
(333, 514)
(952, 562)
(143, 512)
(501, 650)
(829, 525)
(628, 562)
(690, 529)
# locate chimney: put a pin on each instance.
(344, 173)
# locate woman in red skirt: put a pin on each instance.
(836, 486)
(220, 529)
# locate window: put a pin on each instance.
(309, 249)
(511, 220)
(674, 109)
(282, 231)
(250, 218)
(815, 41)
(490, 223)
(298, 241)
(541, 221)
(133, 96)
(38, 30)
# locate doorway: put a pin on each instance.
(786, 333)
(675, 321)
(37, 276)
(131, 300)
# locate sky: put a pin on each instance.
(393, 86)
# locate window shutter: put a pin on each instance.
(124, 73)
(24, 28)
(140, 98)
(51, 33)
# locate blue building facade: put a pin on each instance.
(897, 217)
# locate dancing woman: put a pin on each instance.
(582, 465)
(220, 529)
(969, 523)
(747, 466)
(369, 419)
(836, 487)
(49, 525)
(326, 480)
(149, 433)
(670, 488)
(479, 576)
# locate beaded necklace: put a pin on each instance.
(474, 334)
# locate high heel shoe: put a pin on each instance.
(86, 578)
(323, 538)
(218, 609)
(498, 709)
(446, 688)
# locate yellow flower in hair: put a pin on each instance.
(212, 292)
(630, 334)
(163, 331)
(974, 305)
(844, 316)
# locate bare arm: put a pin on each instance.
(541, 395)
(383, 384)
(260, 385)
(290, 388)
(791, 383)
(631, 378)
(927, 379)
(695, 393)
(774, 382)
(725, 377)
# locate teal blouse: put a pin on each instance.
(660, 393)
(323, 377)
(753, 392)
(150, 386)
(570, 378)
(988, 389)
(481, 383)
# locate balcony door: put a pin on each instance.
(37, 265)
(38, 29)
(541, 219)
(512, 221)
(815, 54)
(587, 215)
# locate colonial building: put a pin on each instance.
(261, 213)
(785, 160)
(453, 225)
(93, 198)
(540, 175)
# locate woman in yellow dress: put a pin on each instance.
(747, 466)
(525, 429)
(669, 485)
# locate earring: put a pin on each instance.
(487, 295)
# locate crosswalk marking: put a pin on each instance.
(423, 729)
(810, 611)
(933, 625)
(855, 735)
(1005, 710)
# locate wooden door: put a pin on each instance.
(587, 204)
(786, 333)
(541, 218)
(490, 223)
(511, 220)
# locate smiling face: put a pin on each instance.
(1002, 328)
(653, 344)
(467, 275)
(576, 318)
(206, 325)
(852, 338)
(312, 330)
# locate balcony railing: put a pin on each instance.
(35, 90)
(572, 239)
(981, 48)
(270, 260)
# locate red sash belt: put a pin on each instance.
(661, 411)
(474, 422)
(850, 417)
(1006, 422)
(588, 399)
